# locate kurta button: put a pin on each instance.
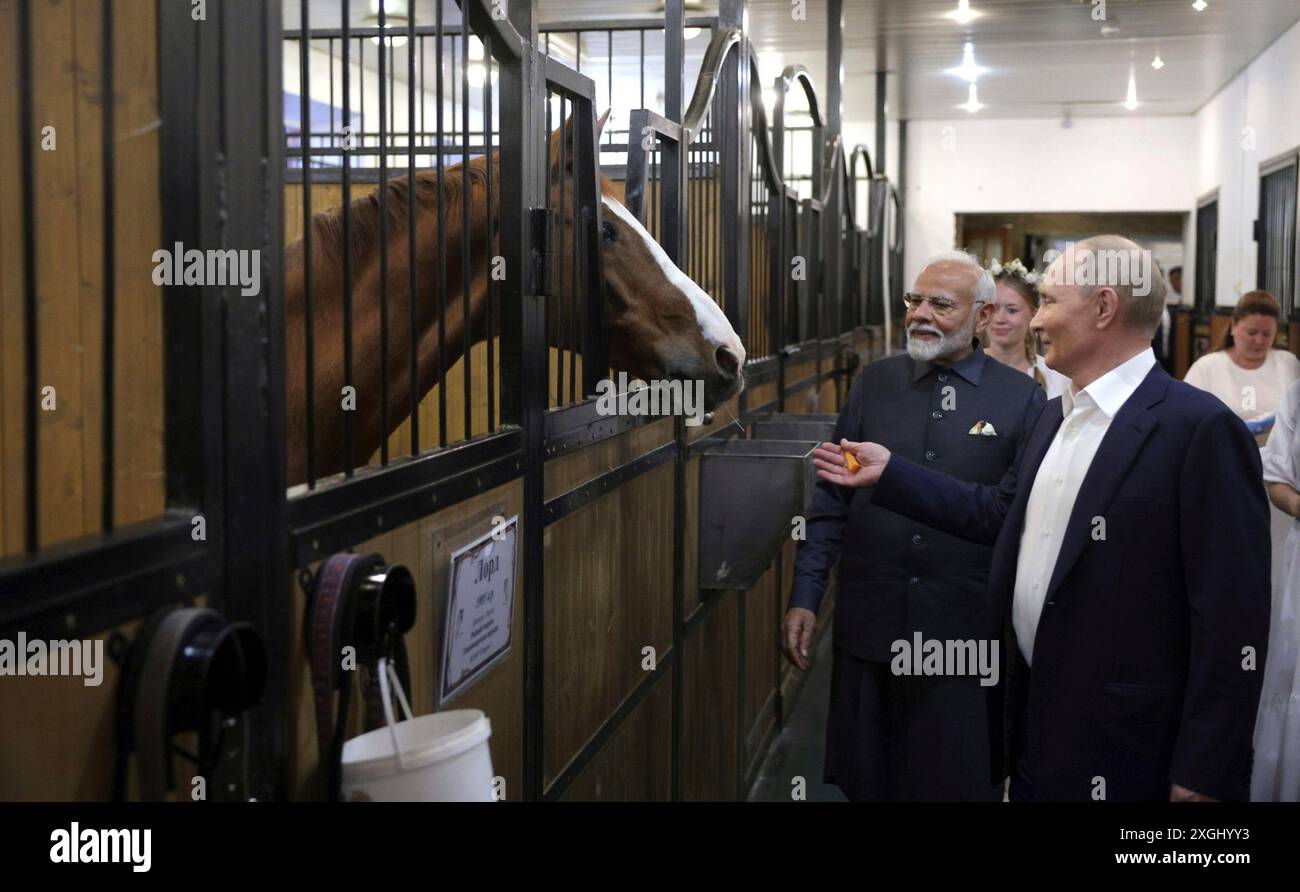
(942, 378)
(936, 415)
(929, 455)
(914, 581)
(916, 539)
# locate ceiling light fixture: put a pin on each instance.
(1200, 5)
(968, 70)
(963, 14)
(972, 104)
(1157, 63)
(395, 19)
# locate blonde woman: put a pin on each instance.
(1008, 337)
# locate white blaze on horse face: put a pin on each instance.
(714, 326)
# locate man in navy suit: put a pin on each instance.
(1130, 549)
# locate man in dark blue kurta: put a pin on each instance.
(948, 406)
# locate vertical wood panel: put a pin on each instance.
(11, 291)
(608, 570)
(61, 436)
(636, 764)
(760, 660)
(709, 702)
(69, 182)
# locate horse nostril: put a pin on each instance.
(727, 361)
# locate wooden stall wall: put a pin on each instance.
(425, 548)
(69, 243)
(56, 733)
(608, 597)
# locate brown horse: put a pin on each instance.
(661, 324)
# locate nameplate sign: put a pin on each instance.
(477, 622)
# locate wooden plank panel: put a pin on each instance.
(760, 395)
(69, 185)
(1219, 325)
(761, 643)
(691, 540)
(636, 764)
(827, 403)
(575, 468)
(140, 487)
(61, 434)
(800, 371)
(608, 569)
(425, 548)
(707, 748)
(57, 735)
(11, 291)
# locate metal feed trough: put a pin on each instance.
(750, 490)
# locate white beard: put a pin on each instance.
(946, 345)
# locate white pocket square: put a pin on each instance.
(983, 429)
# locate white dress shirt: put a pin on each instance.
(1088, 414)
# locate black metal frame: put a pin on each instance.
(223, 171)
(1207, 254)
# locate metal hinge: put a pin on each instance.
(545, 222)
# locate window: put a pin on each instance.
(1275, 232)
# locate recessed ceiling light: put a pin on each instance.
(963, 14)
(972, 104)
(1157, 63)
(1107, 30)
(1200, 5)
(968, 70)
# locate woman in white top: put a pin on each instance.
(1247, 374)
(1009, 339)
(1276, 776)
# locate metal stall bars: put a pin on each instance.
(569, 264)
(861, 211)
(408, 352)
(212, 532)
(393, 432)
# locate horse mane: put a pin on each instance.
(327, 226)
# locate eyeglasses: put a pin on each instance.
(942, 306)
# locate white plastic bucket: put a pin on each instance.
(442, 757)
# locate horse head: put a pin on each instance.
(661, 324)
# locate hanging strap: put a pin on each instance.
(152, 735)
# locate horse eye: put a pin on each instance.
(608, 234)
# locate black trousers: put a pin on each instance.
(907, 738)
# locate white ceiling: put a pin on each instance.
(1043, 57)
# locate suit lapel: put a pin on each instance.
(1118, 450)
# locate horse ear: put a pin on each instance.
(600, 124)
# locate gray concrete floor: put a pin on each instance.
(799, 750)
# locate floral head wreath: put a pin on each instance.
(1014, 269)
